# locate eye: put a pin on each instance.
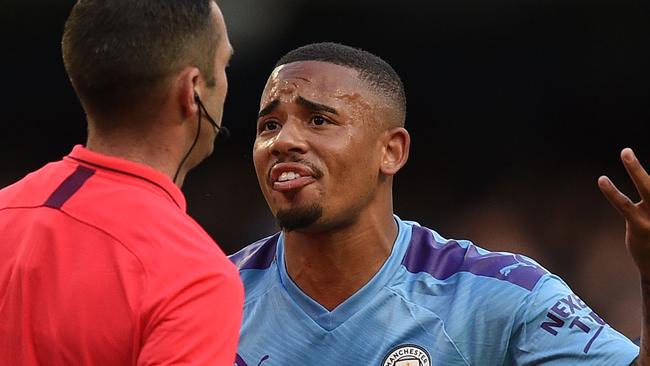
(269, 125)
(319, 120)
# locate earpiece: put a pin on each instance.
(221, 130)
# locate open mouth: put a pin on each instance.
(291, 176)
(287, 176)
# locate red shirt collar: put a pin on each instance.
(137, 170)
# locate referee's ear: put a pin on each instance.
(395, 152)
(184, 90)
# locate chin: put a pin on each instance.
(209, 151)
(299, 217)
(208, 148)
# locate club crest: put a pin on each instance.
(407, 355)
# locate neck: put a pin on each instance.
(331, 266)
(157, 149)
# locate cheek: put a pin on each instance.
(262, 146)
(257, 158)
(348, 175)
(357, 170)
(260, 160)
(224, 87)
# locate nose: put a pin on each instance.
(289, 140)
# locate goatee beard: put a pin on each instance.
(299, 218)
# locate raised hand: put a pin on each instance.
(636, 215)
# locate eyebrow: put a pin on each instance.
(316, 107)
(268, 109)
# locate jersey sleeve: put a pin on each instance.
(198, 325)
(555, 327)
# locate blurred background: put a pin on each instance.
(514, 108)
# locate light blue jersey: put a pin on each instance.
(434, 302)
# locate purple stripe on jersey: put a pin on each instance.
(69, 187)
(443, 260)
(258, 255)
(239, 361)
(588, 346)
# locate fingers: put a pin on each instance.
(637, 173)
(617, 199)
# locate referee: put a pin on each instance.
(99, 262)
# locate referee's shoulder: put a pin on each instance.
(144, 218)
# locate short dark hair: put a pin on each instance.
(117, 51)
(372, 69)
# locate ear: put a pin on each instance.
(187, 84)
(397, 142)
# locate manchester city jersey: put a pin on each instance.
(434, 302)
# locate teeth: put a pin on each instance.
(286, 176)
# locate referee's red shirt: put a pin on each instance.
(100, 265)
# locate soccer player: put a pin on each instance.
(346, 282)
(99, 262)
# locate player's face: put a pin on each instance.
(317, 150)
(216, 96)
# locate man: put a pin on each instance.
(348, 283)
(99, 262)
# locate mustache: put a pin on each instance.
(293, 159)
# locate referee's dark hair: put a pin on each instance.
(372, 69)
(119, 52)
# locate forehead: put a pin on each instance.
(314, 80)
